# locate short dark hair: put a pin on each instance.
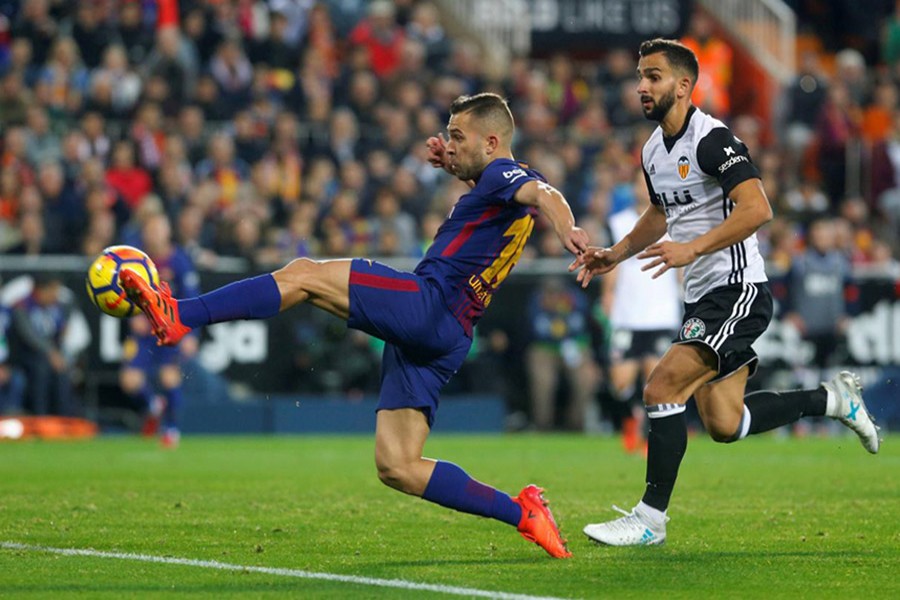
(486, 106)
(679, 56)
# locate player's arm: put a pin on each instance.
(725, 157)
(751, 211)
(553, 204)
(598, 261)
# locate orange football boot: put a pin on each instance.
(159, 306)
(537, 524)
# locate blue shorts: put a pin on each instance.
(141, 352)
(425, 345)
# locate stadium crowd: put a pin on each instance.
(275, 129)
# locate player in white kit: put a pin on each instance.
(644, 314)
(706, 193)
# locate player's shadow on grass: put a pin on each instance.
(637, 554)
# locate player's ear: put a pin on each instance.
(491, 143)
(685, 87)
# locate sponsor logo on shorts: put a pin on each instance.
(692, 329)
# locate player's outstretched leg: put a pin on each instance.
(253, 298)
(322, 283)
(845, 403)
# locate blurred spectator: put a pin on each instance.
(804, 98)
(560, 348)
(114, 87)
(40, 322)
(806, 202)
(711, 92)
(98, 144)
(381, 36)
(63, 81)
(425, 27)
(14, 99)
(134, 31)
(815, 303)
(566, 91)
(877, 119)
(32, 236)
(389, 219)
(200, 31)
(232, 73)
(837, 126)
(207, 98)
(63, 208)
(173, 61)
(42, 144)
(223, 168)
(90, 33)
(279, 49)
(850, 66)
(124, 176)
(12, 380)
(35, 24)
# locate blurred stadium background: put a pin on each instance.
(267, 130)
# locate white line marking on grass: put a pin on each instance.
(213, 564)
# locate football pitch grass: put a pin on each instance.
(769, 517)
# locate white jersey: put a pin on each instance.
(690, 175)
(642, 303)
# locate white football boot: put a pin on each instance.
(633, 529)
(845, 403)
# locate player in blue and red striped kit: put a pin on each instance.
(426, 317)
(151, 374)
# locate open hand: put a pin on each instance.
(593, 261)
(667, 255)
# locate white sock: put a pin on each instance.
(657, 517)
(831, 408)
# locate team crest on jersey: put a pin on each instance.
(692, 329)
(684, 167)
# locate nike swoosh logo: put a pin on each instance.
(531, 515)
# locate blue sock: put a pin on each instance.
(174, 399)
(254, 298)
(450, 486)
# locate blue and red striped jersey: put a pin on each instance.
(178, 270)
(481, 240)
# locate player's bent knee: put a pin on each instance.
(295, 271)
(723, 433)
(394, 475)
(656, 393)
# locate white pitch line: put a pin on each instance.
(213, 564)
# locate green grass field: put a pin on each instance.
(768, 517)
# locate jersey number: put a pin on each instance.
(500, 268)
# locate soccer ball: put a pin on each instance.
(103, 279)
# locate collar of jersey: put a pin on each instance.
(669, 142)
